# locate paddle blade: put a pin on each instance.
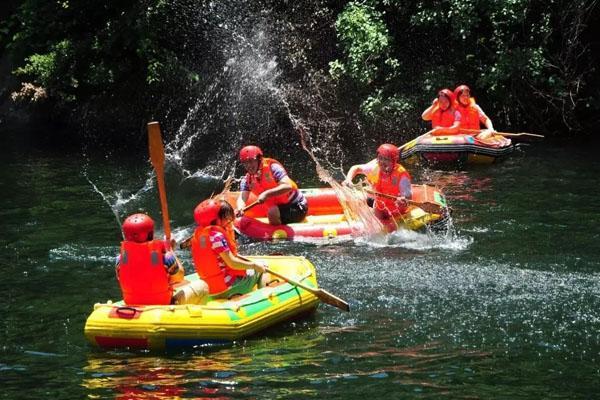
(155, 145)
(332, 300)
(429, 207)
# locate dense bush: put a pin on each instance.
(528, 62)
(110, 66)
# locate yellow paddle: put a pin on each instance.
(414, 140)
(322, 294)
(427, 206)
(505, 134)
(157, 158)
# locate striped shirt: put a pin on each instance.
(278, 174)
(219, 244)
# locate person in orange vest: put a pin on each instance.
(387, 176)
(471, 114)
(147, 269)
(215, 254)
(444, 117)
(269, 182)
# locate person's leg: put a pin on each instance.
(194, 292)
(240, 286)
(274, 215)
(292, 213)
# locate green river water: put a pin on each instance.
(507, 306)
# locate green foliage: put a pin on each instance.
(365, 41)
(519, 56)
(529, 63)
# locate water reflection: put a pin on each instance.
(244, 368)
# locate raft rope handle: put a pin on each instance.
(127, 311)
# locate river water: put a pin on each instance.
(505, 306)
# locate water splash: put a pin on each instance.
(120, 201)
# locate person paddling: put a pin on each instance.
(387, 176)
(269, 182)
(215, 254)
(471, 114)
(147, 269)
(444, 117)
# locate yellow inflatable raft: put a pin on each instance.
(116, 325)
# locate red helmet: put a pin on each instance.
(448, 93)
(250, 153)
(388, 150)
(138, 228)
(206, 212)
(459, 89)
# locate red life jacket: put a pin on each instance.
(469, 115)
(207, 262)
(445, 118)
(387, 184)
(264, 180)
(142, 273)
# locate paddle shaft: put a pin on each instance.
(506, 134)
(414, 140)
(249, 206)
(321, 294)
(426, 205)
(157, 158)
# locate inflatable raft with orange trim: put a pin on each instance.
(219, 321)
(457, 149)
(326, 219)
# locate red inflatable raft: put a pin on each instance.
(326, 217)
(457, 149)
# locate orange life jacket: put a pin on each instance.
(207, 262)
(445, 118)
(469, 115)
(264, 180)
(387, 184)
(142, 274)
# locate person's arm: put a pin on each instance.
(352, 172)
(243, 197)
(173, 267)
(236, 262)
(405, 187)
(449, 130)
(483, 118)
(117, 265)
(285, 185)
(428, 113)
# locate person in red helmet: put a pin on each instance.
(387, 176)
(147, 269)
(269, 182)
(471, 114)
(444, 117)
(215, 254)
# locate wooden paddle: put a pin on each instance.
(322, 294)
(427, 206)
(188, 242)
(157, 158)
(249, 206)
(414, 140)
(505, 134)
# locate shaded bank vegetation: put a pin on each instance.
(107, 67)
